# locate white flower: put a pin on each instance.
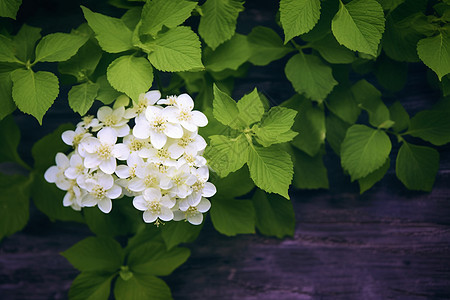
(131, 145)
(74, 138)
(190, 142)
(181, 181)
(76, 167)
(101, 189)
(201, 188)
(144, 101)
(114, 119)
(154, 205)
(194, 214)
(55, 174)
(89, 122)
(146, 176)
(182, 113)
(73, 197)
(99, 151)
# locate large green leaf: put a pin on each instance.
(7, 50)
(364, 150)
(266, 46)
(435, 53)
(225, 108)
(142, 286)
(175, 50)
(359, 25)
(275, 126)
(82, 96)
(310, 76)
(91, 286)
(9, 8)
(159, 13)
(231, 217)
(332, 52)
(271, 169)
(131, 75)
(218, 21)
(236, 184)
(417, 166)
(298, 16)
(34, 93)
(309, 172)
(59, 46)
(229, 55)
(251, 108)
(432, 126)
(25, 40)
(82, 64)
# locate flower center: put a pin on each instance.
(141, 106)
(159, 124)
(110, 120)
(191, 211)
(162, 168)
(184, 141)
(177, 180)
(162, 153)
(171, 99)
(98, 192)
(198, 186)
(132, 171)
(87, 120)
(190, 159)
(150, 180)
(184, 115)
(105, 151)
(77, 139)
(80, 168)
(154, 207)
(136, 145)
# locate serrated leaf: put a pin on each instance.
(25, 40)
(218, 21)
(435, 53)
(399, 116)
(417, 166)
(175, 233)
(231, 217)
(9, 8)
(95, 254)
(59, 46)
(91, 286)
(142, 286)
(310, 76)
(82, 96)
(309, 172)
(359, 25)
(82, 64)
(329, 8)
(368, 181)
(274, 215)
(271, 169)
(251, 108)
(364, 150)
(6, 50)
(234, 185)
(175, 50)
(266, 46)
(432, 126)
(335, 131)
(131, 75)
(342, 103)
(298, 16)
(7, 105)
(34, 93)
(106, 93)
(332, 52)
(132, 17)
(226, 155)
(275, 125)
(224, 108)
(230, 55)
(112, 33)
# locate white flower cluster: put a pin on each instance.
(158, 162)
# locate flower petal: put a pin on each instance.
(204, 205)
(166, 214)
(158, 140)
(173, 130)
(107, 135)
(185, 101)
(104, 112)
(195, 219)
(209, 190)
(114, 192)
(199, 119)
(105, 205)
(140, 203)
(149, 217)
(109, 165)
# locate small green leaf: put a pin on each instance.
(153, 259)
(81, 97)
(142, 286)
(298, 17)
(274, 215)
(231, 217)
(230, 55)
(34, 93)
(59, 46)
(159, 13)
(271, 169)
(131, 75)
(224, 108)
(364, 150)
(399, 116)
(112, 33)
(218, 21)
(309, 172)
(91, 286)
(25, 40)
(175, 233)
(266, 46)
(359, 25)
(432, 126)
(251, 108)
(9, 8)
(310, 76)
(175, 50)
(435, 53)
(417, 166)
(368, 181)
(95, 254)
(275, 125)
(7, 50)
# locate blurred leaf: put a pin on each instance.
(399, 116)
(231, 217)
(342, 103)
(432, 126)
(175, 233)
(266, 46)
(142, 286)
(91, 286)
(309, 172)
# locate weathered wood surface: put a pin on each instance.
(389, 243)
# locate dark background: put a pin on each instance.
(389, 243)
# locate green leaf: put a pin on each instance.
(332, 51)
(329, 8)
(159, 13)
(225, 108)
(432, 126)
(14, 212)
(229, 55)
(112, 33)
(359, 25)
(417, 166)
(234, 185)
(342, 103)
(399, 116)
(175, 233)
(266, 46)
(309, 172)
(106, 93)
(142, 286)
(310, 76)
(445, 86)
(271, 169)
(231, 217)
(25, 40)
(275, 125)
(364, 150)
(391, 74)
(9, 8)
(251, 108)
(274, 215)
(7, 105)
(7, 50)
(226, 155)
(153, 259)
(81, 97)
(95, 254)
(82, 64)
(175, 50)
(335, 131)
(368, 181)
(59, 46)
(131, 75)
(91, 286)
(435, 53)
(34, 93)
(298, 17)
(218, 21)
(390, 4)
(132, 17)
(10, 134)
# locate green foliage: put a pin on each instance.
(368, 181)
(229, 55)
(266, 46)
(81, 97)
(141, 286)
(233, 216)
(298, 16)
(435, 53)
(175, 233)
(25, 41)
(10, 134)
(309, 172)
(9, 8)
(59, 46)
(432, 126)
